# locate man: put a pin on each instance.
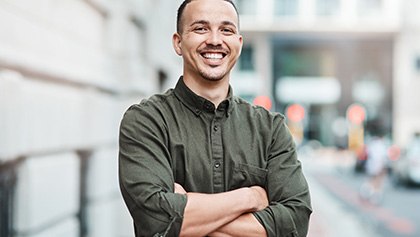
(198, 161)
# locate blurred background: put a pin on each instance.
(342, 72)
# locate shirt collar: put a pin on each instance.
(199, 104)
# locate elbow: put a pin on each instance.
(159, 215)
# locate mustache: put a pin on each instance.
(213, 47)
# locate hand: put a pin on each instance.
(260, 197)
(179, 189)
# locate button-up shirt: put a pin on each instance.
(181, 137)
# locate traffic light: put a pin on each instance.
(356, 114)
(263, 101)
(295, 113)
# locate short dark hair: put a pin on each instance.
(182, 8)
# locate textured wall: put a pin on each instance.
(68, 71)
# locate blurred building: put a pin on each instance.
(329, 54)
(407, 75)
(68, 71)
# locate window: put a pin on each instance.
(136, 38)
(327, 7)
(417, 64)
(247, 7)
(369, 7)
(246, 60)
(286, 7)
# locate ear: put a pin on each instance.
(176, 43)
(241, 41)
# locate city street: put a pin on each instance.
(339, 210)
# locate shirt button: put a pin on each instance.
(216, 128)
(208, 107)
(217, 165)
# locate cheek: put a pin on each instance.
(236, 47)
(236, 52)
(187, 48)
(240, 51)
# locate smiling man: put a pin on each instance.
(208, 40)
(199, 161)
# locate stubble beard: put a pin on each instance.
(213, 74)
(211, 77)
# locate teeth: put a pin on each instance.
(213, 55)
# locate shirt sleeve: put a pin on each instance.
(145, 174)
(288, 192)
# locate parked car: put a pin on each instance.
(406, 169)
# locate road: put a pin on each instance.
(339, 210)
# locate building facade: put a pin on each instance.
(68, 71)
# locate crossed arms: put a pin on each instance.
(226, 214)
(158, 208)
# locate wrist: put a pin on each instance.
(259, 198)
(250, 199)
(246, 200)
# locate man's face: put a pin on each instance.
(209, 42)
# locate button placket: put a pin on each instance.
(217, 146)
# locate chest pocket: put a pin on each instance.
(244, 175)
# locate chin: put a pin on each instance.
(213, 76)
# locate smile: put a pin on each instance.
(213, 55)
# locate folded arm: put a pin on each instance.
(223, 214)
(290, 206)
(244, 226)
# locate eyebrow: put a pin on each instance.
(229, 23)
(200, 22)
(204, 22)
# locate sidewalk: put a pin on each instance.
(330, 218)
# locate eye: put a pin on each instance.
(200, 29)
(228, 31)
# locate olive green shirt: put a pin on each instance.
(181, 137)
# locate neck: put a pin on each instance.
(214, 91)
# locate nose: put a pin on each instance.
(214, 38)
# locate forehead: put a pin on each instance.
(213, 11)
